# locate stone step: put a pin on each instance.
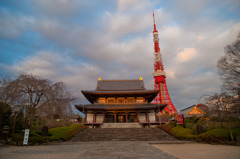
(121, 125)
(122, 134)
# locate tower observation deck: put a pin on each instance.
(160, 76)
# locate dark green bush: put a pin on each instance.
(18, 137)
(182, 133)
(166, 128)
(55, 134)
(5, 114)
(37, 140)
(222, 134)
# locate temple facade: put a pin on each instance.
(120, 101)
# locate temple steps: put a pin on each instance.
(122, 134)
(121, 125)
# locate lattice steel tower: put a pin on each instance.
(160, 76)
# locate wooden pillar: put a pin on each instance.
(94, 117)
(138, 116)
(155, 116)
(147, 116)
(86, 117)
(126, 117)
(104, 117)
(115, 118)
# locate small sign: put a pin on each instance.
(5, 129)
(26, 135)
(179, 119)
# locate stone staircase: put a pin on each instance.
(122, 134)
(121, 125)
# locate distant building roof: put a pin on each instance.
(198, 110)
(120, 85)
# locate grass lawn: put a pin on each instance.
(66, 132)
(219, 134)
(55, 134)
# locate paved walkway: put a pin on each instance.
(200, 151)
(121, 150)
(86, 150)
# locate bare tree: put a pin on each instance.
(8, 90)
(58, 101)
(220, 103)
(39, 97)
(215, 105)
(32, 90)
(229, 67)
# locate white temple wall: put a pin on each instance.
(152, 117)
(90, 117)
(99, 118)
(142, 117)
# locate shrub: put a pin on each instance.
(222, 134)
(192, 119)
(182, 133)
(166, 128)
(5, 114)
(55, 134)
(18, 137)
(37, 139)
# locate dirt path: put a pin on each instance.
(200, 151)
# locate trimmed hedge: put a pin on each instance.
(222, 134)
(182, 133)
(214, 135)
(55, 134)
(166, 128)
(18, 137)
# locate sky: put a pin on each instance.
(77, 41)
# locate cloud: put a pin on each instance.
(76, 42)
(50, 29)
(57, 7)
(123, 4)
(14, 25)
(187, 54)
(170, 73)
(57, 67)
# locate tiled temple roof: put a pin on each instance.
(120, 88)
(120, 85)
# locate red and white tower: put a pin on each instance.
(160, 76)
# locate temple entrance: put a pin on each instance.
(132, 117)
(109, 118)
(121, 118)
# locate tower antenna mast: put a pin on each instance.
(159, 76)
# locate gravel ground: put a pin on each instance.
(200, 151)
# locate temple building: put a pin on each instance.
(194, 110)
(120, 101)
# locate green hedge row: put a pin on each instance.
(55, 134)
(182, 133)
(210, 135)
(223, 134)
